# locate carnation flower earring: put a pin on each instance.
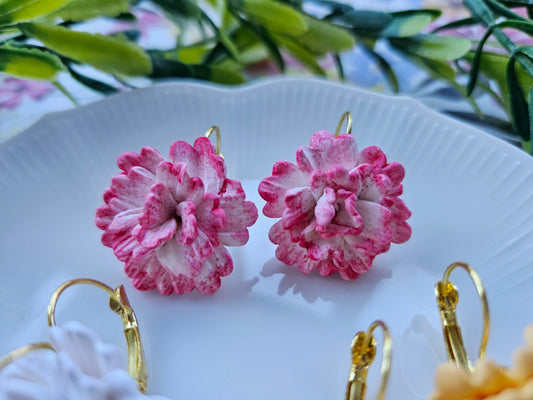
(363, 354)
(79, 365)
(339, 207)
(169, 220)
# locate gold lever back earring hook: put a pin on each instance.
(22, 351)
(348, 117)
(119, 303)
(447, 299)
(215, 129)
(363, 354)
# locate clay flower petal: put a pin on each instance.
(339, 208)
(82, 368)
(168, 220)
(488, 381)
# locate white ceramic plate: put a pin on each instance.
(270, 332)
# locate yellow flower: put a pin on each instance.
(488, 381)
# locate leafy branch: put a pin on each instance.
(235, 34)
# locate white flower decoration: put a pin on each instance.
(81, 368)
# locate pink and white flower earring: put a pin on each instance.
(338, 207)
(169, 220)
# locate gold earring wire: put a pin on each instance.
(348, 117)
(363, 354)
(119, 303)
(215, 129)
(447, 299)
(22, 351)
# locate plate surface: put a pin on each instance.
(270, 332)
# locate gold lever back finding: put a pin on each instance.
(348, 116)
(215, 129)
(119, 303)
(22, 351)
(447, 299)
(363, 354)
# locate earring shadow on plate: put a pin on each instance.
(333, 288)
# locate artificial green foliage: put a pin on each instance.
(109, 54)
(13, 11)
(81, 10)
(29, 63)
(235, 34)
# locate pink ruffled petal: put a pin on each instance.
(326, 151)
(132, 187)
(396, 172)
(198, 251)
(299, 212)
(159, 207)
(211, 218)
(325, 209)
(374, 156)
(240, 214)
(212, 169)
(285, 176)
(149, 158)
(125, 221)
(152, 238)
(172, 257)
(186, 210)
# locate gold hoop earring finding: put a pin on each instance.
(119, 303)
(363, 354)
(215, 129)
(447, 298)
(348, 117)
(22, 351)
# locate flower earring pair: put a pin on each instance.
(170, 220)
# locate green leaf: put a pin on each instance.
(223, 39)
(409, 23)
(503, 11)
(274, 16)
(434, 47)
(13, 11)
(482, 13)
(517, 3)
(91, 83)
(527, 142)
(523, 26)
(517, 101)
(81, 10)
(302, 54)
(363, 20)
(29, 63)
(527, 147)
(322, 37)
(192, 54)
(340, 68)
(437, 69)
(384, 66)
(455, 24)
(112, 55)
(184, 8)
(263, 35)
(163, 68)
